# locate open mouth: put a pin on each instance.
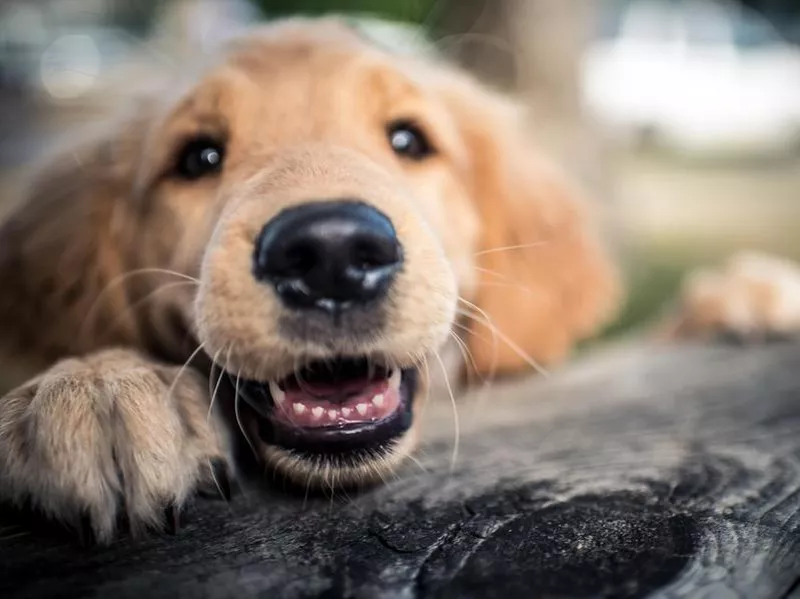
(334, 406)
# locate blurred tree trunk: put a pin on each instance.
(534, 48)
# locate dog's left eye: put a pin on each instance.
(200, 157)
(409, 141)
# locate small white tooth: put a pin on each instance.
(362, 408)
(317, 411)
(333, 414)
(298, 408)
(278, 396)
(346, 412)
(394, 380)
(378, 400)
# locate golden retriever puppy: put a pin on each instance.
(306, 221)
(294, 232)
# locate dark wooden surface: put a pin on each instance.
(664, 472)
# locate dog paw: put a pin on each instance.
(110, 438)
(754, 297)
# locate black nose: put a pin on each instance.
(328, 255)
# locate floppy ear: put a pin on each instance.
(59, 249)
(544, 280)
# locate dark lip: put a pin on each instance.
(351, 440)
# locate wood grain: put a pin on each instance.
(664, 472)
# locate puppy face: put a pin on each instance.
(336, 211)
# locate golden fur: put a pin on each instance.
(293, 89)
(114, 270)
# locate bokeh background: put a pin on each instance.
(681, 116)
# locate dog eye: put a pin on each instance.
(200, 157)
(409, 141)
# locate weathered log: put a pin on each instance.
(671, 472)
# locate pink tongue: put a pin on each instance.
(322, 390)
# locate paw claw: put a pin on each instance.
(219, 484)
(219, 469)
(85, 533)
(172, 515)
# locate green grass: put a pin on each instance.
(652, 280)
(412, 11)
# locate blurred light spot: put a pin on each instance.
(70, 66)
(20, 24)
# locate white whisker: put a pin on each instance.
(309, 478)
(212, 390)
(503, 337)
(212, 394)
(418, 463)
(492, 328)
(427, 399)
(465, 353)
(485, 381)
(508, 248)
(181, 370)
(118, 280)
(149, 296)
(456, 424)
(238, 415)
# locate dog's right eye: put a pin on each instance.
(409, 141)
(200, 157)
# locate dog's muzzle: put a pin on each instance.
(331, 264)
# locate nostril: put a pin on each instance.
(298, 259)
(370, 253)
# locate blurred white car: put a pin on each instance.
(696, 76)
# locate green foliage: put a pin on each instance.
(651, 281)
(413, 11)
